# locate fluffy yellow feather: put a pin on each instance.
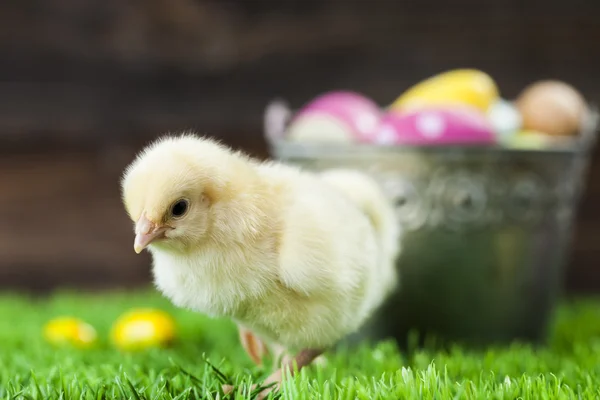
(298, 260)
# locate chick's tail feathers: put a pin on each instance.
(368, 195)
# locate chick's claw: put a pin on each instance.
(227, 389)
(263, 394)
(301, 360)
(274, 381)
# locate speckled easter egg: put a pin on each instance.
(461, 86)
(552, 107)
(340, 116)
(436, 126)
(142, 328)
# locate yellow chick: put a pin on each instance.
(298, 260)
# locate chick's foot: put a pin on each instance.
(302, 359)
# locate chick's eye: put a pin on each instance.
(179, 208)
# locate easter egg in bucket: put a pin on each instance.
(505, 119)
(529, 140)
(534, 140)
(340, 116)
(552, 107)
(461, 86)
(435, 126)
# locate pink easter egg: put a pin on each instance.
(336, 116)
(436, 126)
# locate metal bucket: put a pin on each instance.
(486, 231)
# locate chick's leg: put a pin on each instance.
(280, 356)
(253, 345)
(302, 359)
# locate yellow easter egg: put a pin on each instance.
(70, 331)
(460, 86)
(143, 328)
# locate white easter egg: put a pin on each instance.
(505, 118)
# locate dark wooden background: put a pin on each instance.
(85, 83)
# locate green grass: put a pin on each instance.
(568, 367)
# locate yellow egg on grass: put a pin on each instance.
(70, 331)
(460, 86)
(143, 328)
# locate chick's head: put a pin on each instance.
(168, 191)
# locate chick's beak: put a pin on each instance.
(146, 232)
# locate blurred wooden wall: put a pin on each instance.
(84, 83)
